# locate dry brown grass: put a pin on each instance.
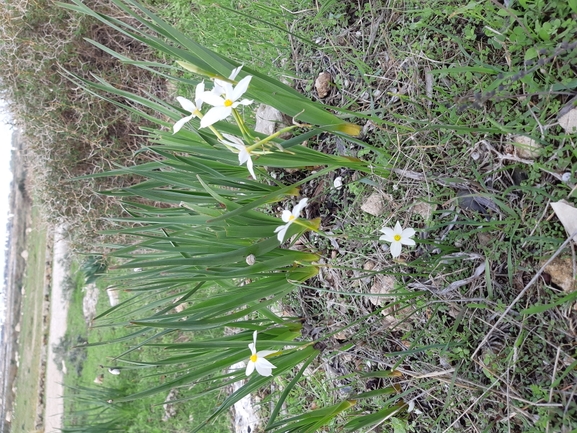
(69, 132)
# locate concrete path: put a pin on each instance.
(58, 314)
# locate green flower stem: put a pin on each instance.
(273, 136)
(198, 114)
(245, 132)
(199, 71)
(215, 132)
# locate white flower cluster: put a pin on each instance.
(223, 98)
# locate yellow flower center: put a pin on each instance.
(253, 358)
(228, 103)
(397, 238)
(292, 218)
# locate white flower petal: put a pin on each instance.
(198, 92)
(239, 147)
(281, 230)
(406, 241)
(227, 90)
(389, 234)
(250, 165)
(235, 142)
(233, 138)
(299, 207)
(408, 233)
(218, 89)
(286, 216)
(243, 156)
(234, 73)
(178, 125)
(212, 99)
(264, 367)
(396, 249)
(398, 229)
(240, 88)
(244, 102)
(249, 368)
(264, 353)
(214, 115)
(187, 104)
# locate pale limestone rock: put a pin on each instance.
(376, 204)
(561, 271)
(425, 210)
(526, 147)
(89, 302)
(180, 307)
(323, 84)
(268, 120)
(369, 265)
(383, 284)
(168, 406)
(569, 121)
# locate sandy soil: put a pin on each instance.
(58, 314)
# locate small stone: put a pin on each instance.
(338, 183)
(343, 335)
(423, 209)
(484, 239)
(369, 266)
(561, 272)
(169, 406)
(569, 121)
(180, 308)
(383, 284)
(375, 204)
(268, 120)
(250, 259)
(526, 147)
(323, 84)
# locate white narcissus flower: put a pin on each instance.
(257, 360)
(397, 237)
(222, 106)
(191, 107)
(218, 88)
(243, 153)
(289, 217)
